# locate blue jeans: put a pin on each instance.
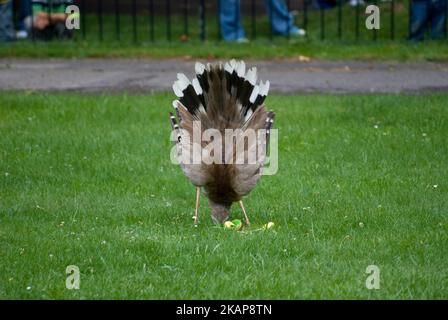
(6, 25)
(230, 18)
(425, 13)
(24, 12)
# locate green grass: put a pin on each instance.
(347, 47)
(260, 49)
(87, 181)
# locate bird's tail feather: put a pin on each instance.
(223, 95)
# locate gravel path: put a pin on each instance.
(286, 76)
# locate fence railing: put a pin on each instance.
(151, 20)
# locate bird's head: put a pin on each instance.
(220, 213)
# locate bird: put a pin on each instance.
(226, 100)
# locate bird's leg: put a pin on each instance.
(244, 211)
(198, 193)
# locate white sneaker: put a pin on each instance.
(242, 40)
(355, 3)
(298, 32)
(22, 34)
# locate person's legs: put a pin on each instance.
(6, 23)
(230, 20)
(24, 12)
(41, 20)
(60, 17)
(39, 24)
(438, 18)
(45, 21)
(281, 19)
(419, 19)
(40, 17)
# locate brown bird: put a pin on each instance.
(225, 104)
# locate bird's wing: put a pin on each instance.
(188, 154)
(248, 173)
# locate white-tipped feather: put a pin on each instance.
(261, 84)
(254, 94)
(228, 68)
(183, 81)
(177, 90)
(268, 85)
(199, 68)
(264, 88)
(251, 75)
(241, 69)
(197, 87)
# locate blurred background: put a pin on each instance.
(112, 23)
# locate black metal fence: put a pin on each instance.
(184, 20)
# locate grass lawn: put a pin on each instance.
(259, 49)
(86, 180)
